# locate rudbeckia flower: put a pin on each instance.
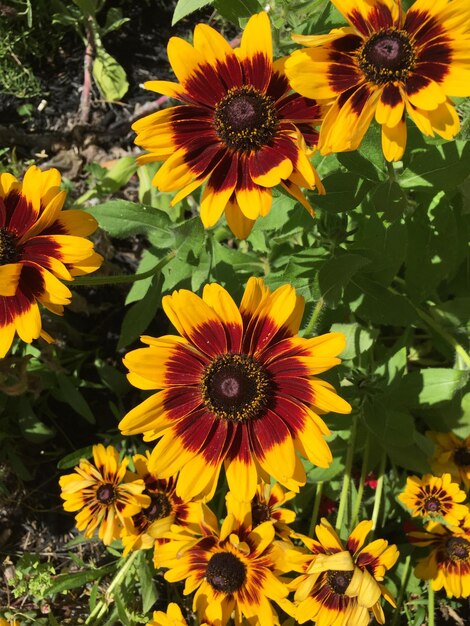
(172, 617)
(40, 245)
(104, 493)
(341, 585)
(235, 570)
(433, 496)
(448, 563)
(384, 63)
(238, 387)
(240, 130)
(451, 454)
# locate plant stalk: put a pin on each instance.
(347, 472)
(403, 584)
(379, 490)
(360, 489)
(316, 507)
(313, 320)
(431, 608)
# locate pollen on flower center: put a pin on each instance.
(159, 508)
(339, 581)
(9, 252)
(432, 505)
(106, 493)
(462, 457)
(225, 572)
(458, 548)
(387, 56)
(235, 387)
(245, 119)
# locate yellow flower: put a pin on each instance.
(433, 496)
(103, 493)
(240, 130)
(172, 617)
(14, 622)
(385, 63)
(451, 454)
(40, 245)
(239, 388)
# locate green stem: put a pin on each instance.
(391, 172)
(379, 490)
(316, 508)
(401, 594)
(101, 607)
(360, 490)
(90, 281)
(347, 473)
(313, 320)
(430, 604)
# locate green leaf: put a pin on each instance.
(148, 589)
(429, 386)
(185, 7)
(336, 273)
(140, 314)
(69, 393)
(344, 191)
(390, 426)
(321, 474)
(109, 76)
(234, 9)
(389, 198)
(74, 458)
(64, 582)
(358, 339)
(374, 303)
(439, 167)
(114, 20)
(32, 428)
(119, 175)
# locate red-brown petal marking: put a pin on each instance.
(184, 367)
(257, 70)
(380, 17)
(194, 430)
(391, 95)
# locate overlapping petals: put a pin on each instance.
(452, 455)
(433, 496)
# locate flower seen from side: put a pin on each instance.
(104, 493)
(239, 387)
(434, 496)
(341, 584)
(451, 454)
(384, 64)
(40, 246)
(240, 129)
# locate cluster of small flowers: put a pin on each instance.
(442, 504)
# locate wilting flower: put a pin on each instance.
(103, 493)
(341, 585)
(433, 496)
(240, 130)
(238, 387)
(384, 62)
(452, 454)
(40, 245)
(172, 617)
(143, 530)
(448, 563)
(235, 570)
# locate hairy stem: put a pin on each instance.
(313, 320)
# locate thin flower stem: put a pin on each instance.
(401, 594)
(360, 490)
(316, 507)
(347, 473)
(91, 281)
(379, 490)
(430, 604)
(313, 320)
(391, 172)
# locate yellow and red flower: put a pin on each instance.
(104, 493)
(384, 63)
(434, 496)
(341, 585)
(451, 454)
(240, 130)
(40, 245)
(238, 387)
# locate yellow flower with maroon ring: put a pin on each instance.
(238, 387)
(40, 245)
(448, 563)
(384, 63)
(104, 493)
(451, 454)
(241, 130)
(341, 585)
(434, 496)
(148, 526)
(235, 571)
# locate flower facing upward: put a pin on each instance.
(103, 493)
(387, 61)
(340, 586)
(238, 387)
(433, 496)
(40, 245)
(451, 454)
(240, 130)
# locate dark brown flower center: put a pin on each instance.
(432, 505)
(106, 493)
(235, 387)
(462, 457)
(458, 548)
(339, 581)
(260, 512)
(387, 56)
(160, 507)
(245, 119)
(225, 572)
(9, 251)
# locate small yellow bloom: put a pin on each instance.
(451, 454)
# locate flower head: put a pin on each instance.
(451, 454)
(383, 63)
(40, 245)
(342, 585)
(103, 493)
(238, 387)
(433, 496)
(240, 130)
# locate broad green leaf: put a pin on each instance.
(429, 386)
(409, 457)
(438, 167)
(234, 9)
(359, 165)
(374, 303)
(344, 191)
(140, 287)
(185, 7)
(114, 20)
(319, 474)
(74, 458)
(141, 313)
(69, 393)
(337, 272)
(109, 76)
(390, 199)
(63, 582)
(148, 589)
(358, 339)
(32, 428)
(119, 174)
(390, 426)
